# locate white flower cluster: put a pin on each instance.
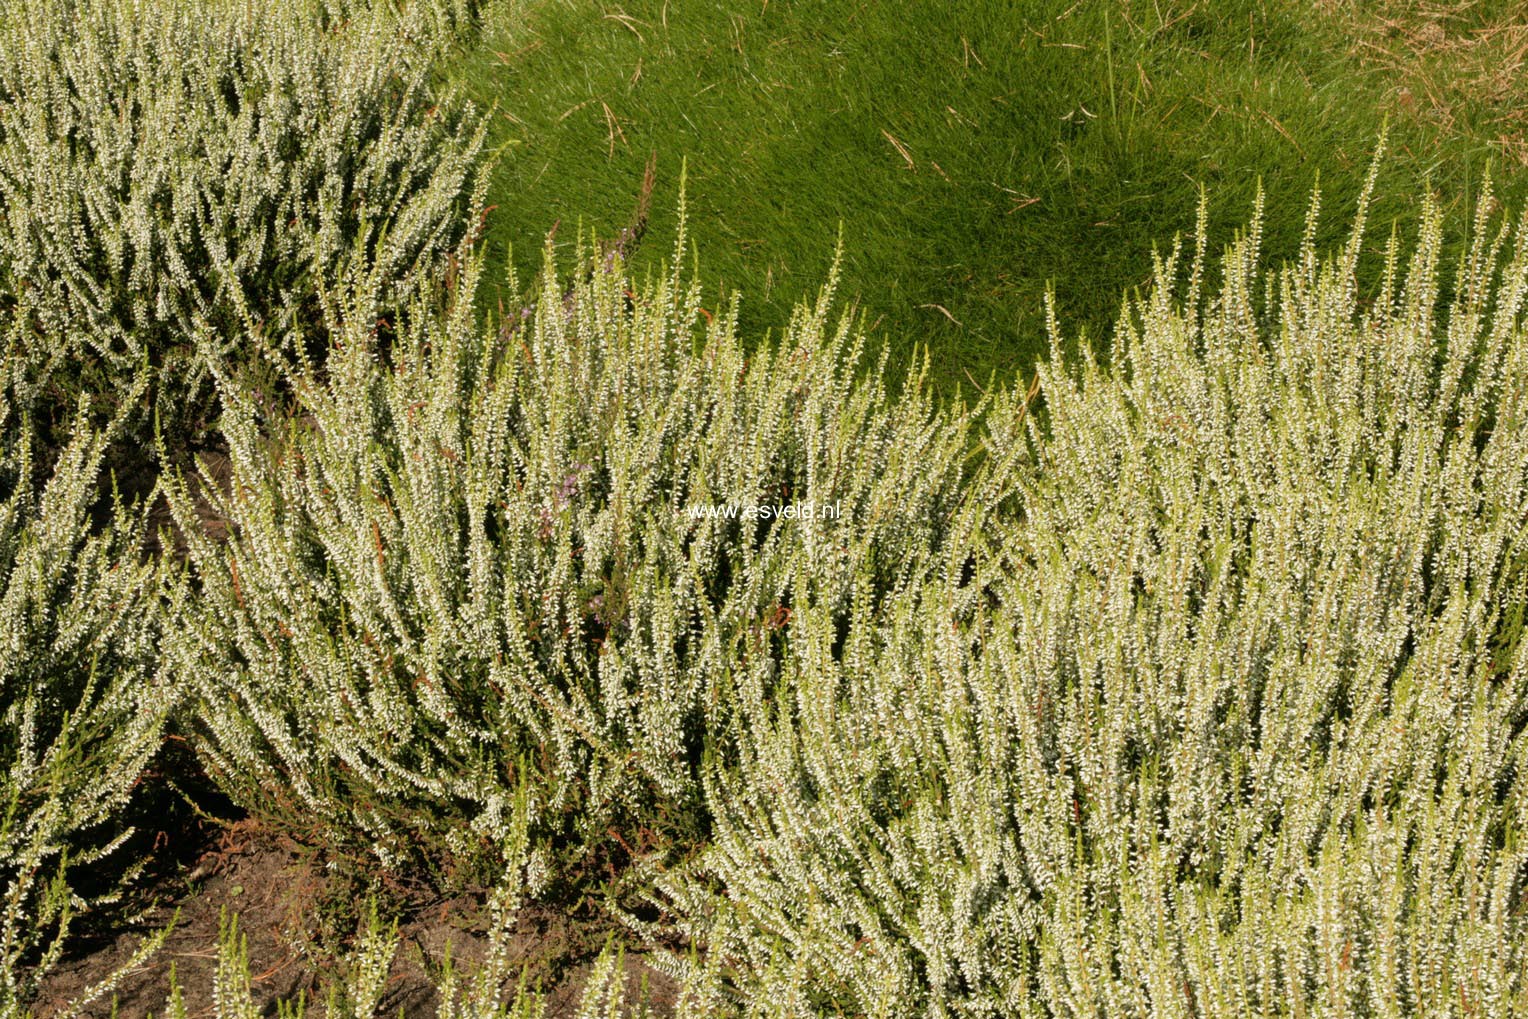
(1237, 725)
(465, 578)
(1201, 693)
(180, 171)
(81, 705)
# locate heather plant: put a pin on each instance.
(490, 991)
(81, 707)
(1236, 724)
(497, 575)
(175, 170)
(361, 975)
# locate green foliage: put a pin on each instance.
(81, 703)
(481, 584)
(182, 172)
(232, 996)
(1202, 693)
(488, 992)
(1234, 733)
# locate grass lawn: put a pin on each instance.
(978, 152)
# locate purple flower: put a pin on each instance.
(569, 486)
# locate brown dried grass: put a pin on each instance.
(1460, 66)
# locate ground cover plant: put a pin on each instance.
(977, 153)
(83, 704)
(1240, 730)
(500, 517)
(1188, 680)
(183, 172)
(1203, 697)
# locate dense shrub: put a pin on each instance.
(181, 172)
(81, 707)
(1241, 730)
(467, 586)
(1203, 694)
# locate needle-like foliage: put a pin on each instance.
(508, 569)
(81, 705)
(1238, 730)
(178, 169)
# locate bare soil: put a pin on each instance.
(284, 897)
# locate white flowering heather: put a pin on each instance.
(80, 713)
(184, 168)
(359, 978)
(605, 993)
(523, 561)
(1238, 729)
(490, 991)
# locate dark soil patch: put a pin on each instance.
(218, 468)
(289, 901)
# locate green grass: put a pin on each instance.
(976, 152)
